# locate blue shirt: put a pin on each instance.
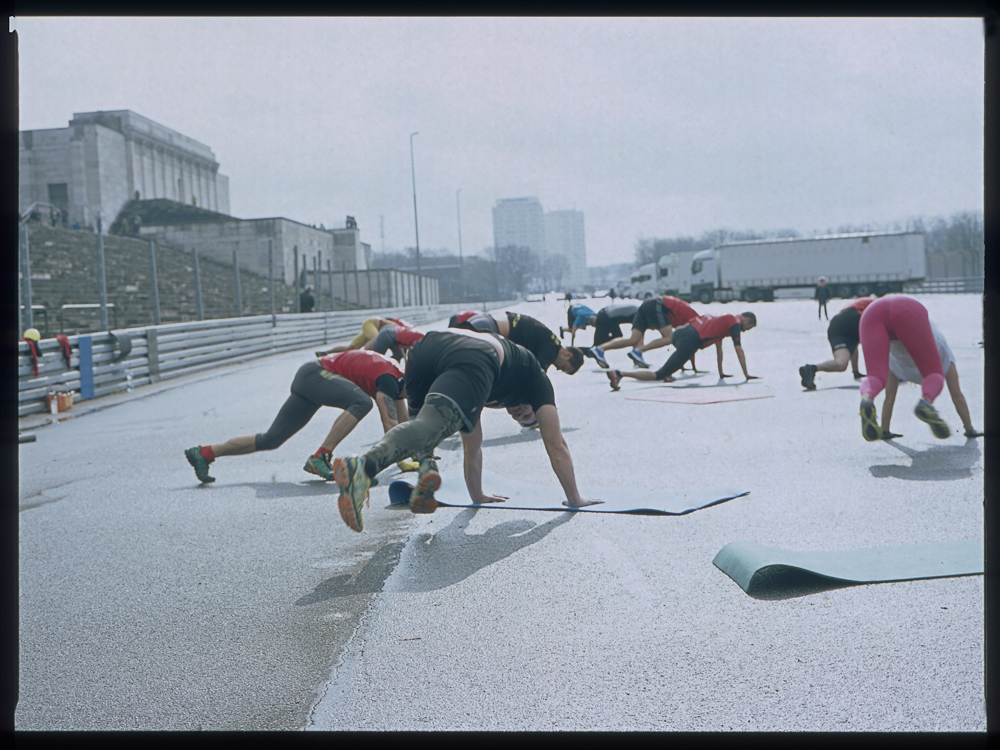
(583, 314)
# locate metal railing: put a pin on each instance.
(84, 306)
(966, 285)
(96, 367)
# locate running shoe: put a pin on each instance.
(870, 430)
(808, 375)
(927, 413)
(407, 465)
(597, 353)
(858, 375)
(428, 480)
(972, 433)
(615, 376)
(636, 356)
(200, 464)
(320, 466)
(353, 482)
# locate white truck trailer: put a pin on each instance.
(854, 265)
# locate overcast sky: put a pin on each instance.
(650, 127)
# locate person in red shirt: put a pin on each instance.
(663, 313)
(701, 332)
(395, 336)
(842, 333)
(348, 381)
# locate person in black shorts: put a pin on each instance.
(450, 377)
(701, 332)
(529, 333)
(345, 381)
(842, 333)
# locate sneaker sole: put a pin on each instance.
(207, 479)
(422, 498)
(938, 428)
(345, 503)
(870, 430)
(807, 382)
(309, 468)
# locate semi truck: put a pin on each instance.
(854, 265)
(669, 275)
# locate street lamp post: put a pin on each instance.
(416, 226)
(458, 208)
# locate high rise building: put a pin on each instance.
(521, 223)
(564, 237)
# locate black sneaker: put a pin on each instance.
(808, 375)
(858, 375)
(927, 413)
(200, 464)
(615, 377)
(870, 430)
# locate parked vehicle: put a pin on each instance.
(669, 275)
(854, 265)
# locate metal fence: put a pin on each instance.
(968, 285)
(113, 361)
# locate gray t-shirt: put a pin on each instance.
(901, 364)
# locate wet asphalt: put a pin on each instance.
(150, 602)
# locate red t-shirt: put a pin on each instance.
(401, 322)
(860, 304)
(406, 336)
(714, 328)
(679, 312)
(362, 367)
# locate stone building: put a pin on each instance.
(105, 159)
(218, 237)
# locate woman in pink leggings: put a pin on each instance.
(903, 319)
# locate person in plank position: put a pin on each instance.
(348, 381)
(903, 319)
(529, 333)
(842, 333)
(662, 313)
(450, 377)
(902, 368)
(578, 317)
(701, 332)
(369, 330)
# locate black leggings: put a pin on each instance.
(686, 342)
(312, 388)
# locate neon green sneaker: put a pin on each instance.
(408, 465)
(428, 480)
(320, 466)
(870, 430)
(200, 464)
(927, 413)
(354, 483)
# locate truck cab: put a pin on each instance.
(704, 276)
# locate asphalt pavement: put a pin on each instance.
(149, 602)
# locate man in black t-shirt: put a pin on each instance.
(450, 377)
(529, 333)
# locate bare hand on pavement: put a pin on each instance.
(583, 501)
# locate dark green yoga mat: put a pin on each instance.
(523, 496)
(773, 573)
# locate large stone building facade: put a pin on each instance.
(103, 159)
